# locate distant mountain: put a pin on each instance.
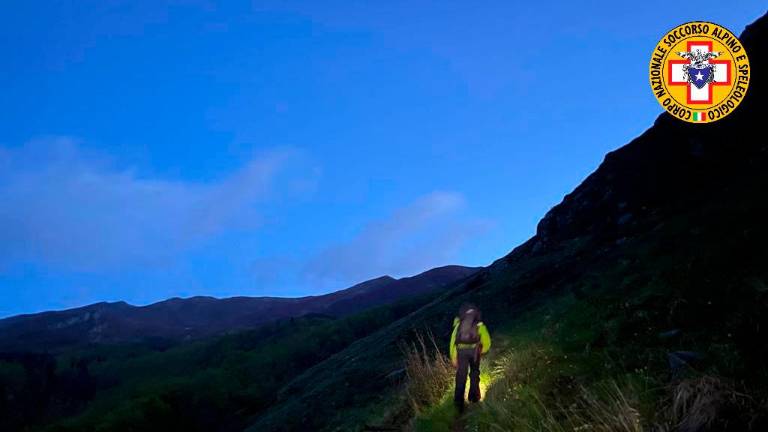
(183, 319)
(364, 296)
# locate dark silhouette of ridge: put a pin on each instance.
(178, 319)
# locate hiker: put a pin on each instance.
(469, 341)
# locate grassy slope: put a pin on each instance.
(358, 383)
(595, 318)
(668, 235)
(612, 328)
(215, 384)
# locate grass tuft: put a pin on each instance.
(606, 408)
(530, 391)
(429, 372)
(702, 403)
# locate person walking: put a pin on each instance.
(470, 340)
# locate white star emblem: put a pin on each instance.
(699, 76)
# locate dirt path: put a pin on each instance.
(460, 422)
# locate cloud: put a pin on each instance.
(65, 207)
(427, 233)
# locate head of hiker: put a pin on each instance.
(469, 341)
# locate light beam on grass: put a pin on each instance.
(486, 379)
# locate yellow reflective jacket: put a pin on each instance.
(485, 338)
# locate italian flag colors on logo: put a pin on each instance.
(699, 116)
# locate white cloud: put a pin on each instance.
(62, 206)
(427, 233)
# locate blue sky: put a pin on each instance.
(156, 149)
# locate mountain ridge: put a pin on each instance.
(194, 317)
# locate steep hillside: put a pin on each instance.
(184, 319)
(220, 383)
(655, 263)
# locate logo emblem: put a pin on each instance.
(699, 72)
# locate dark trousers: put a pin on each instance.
(468, 361)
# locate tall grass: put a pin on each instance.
(530, 393)
(511, 401)
(708, 403)
(430, 374)
(606, 408)
(532, 389)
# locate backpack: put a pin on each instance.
(467, 333)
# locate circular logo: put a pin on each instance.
(699, 72)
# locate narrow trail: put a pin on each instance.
(458, 424)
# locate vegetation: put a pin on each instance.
(428, 371)
(216, 384)
(650, 343)
(536, 380)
